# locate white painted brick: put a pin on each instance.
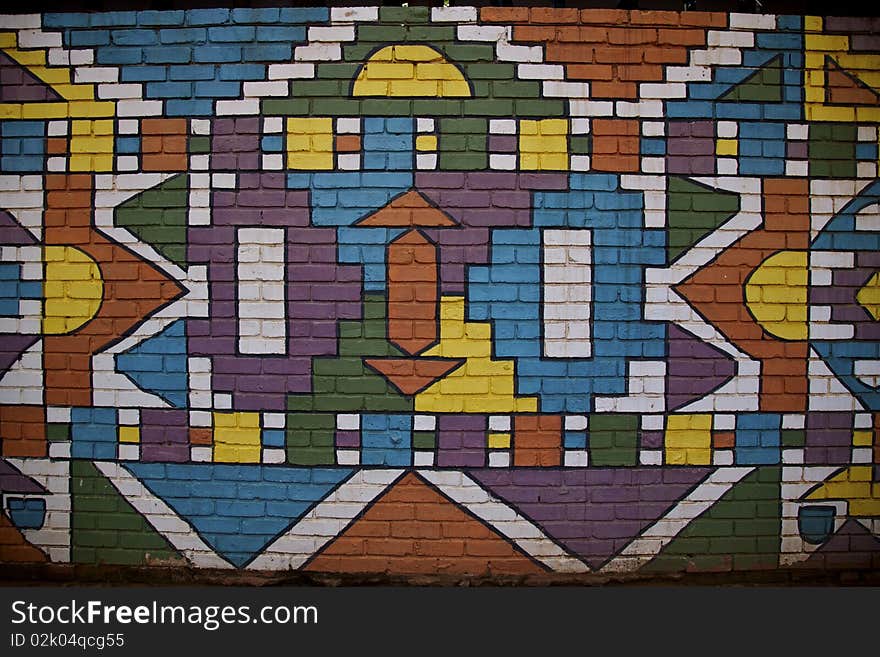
(752, 22)
(540, 72)
(263, 89)
(560, 89)
(21, 21)
(424, 423)
(348, 125)
(797, 131)
(201, 454)
(37, 38)
(689, 74)
(422, 125)
(576, 422)
(863, 455)
(499, 423)
(576, 458)
(792, 456)
(348, 456)
(349, 161)
(273, 161)
(82, 57)
(56, 164)
(728, 129)
(866, 170)
(663, 90)
(348, 421)
(580, 163)
(502, 162)
(653, 128)
(499, 459)
(717, 57)
(502, 126)
(731, 39)
(654, 165)
(426, 161)
(345, 14)
(200, 126)
(130, 107)
(727, 166)
(651, 457)
(129, 452)
(722, 457)
(318, 52)
(96, 75)
(867, 133)
(509, 53)
(482, 32)
(591, 107)
(330, 34)
(59, 450)
(453, 14)
(127, 163)
(274, 455)
(238, 107)
(291, 71)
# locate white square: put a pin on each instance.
(423, 459)
(57, 414)
(502, 126)
(200, 419)
(273, 161)
(274, 420)
(128, 452)
(724, 422)
(273, 124)
(653, 128)
(797, 131)
(32, 271)
(199, 162)
(200, 126)
(863, 455)
(199, 181)
(502, 162)
(499, 459)
(794, 421)
(130, 416)
(201, 454)
(425, 125)
(426, 161)
(199, 217)
(222, 400)
(863, 421)
(727, 129)
(59, 449)
(652, 423)
(797, 168)
(348, 456)
(348, 422)
(576, 422)
(274, 455)
(795, 456)
(722, 457)
(867, 133)
(728, 166)
(129, 126)
(57, 129)
(56, 164)
(424, 423)
(499, 423)
(581, 126)
(651, 457)
(866, 169)
(576, 458)
(579, 162)
(348, 126)
(127, 163)
(349, 161)
(653, 165)
(223, 180)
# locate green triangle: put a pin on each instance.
(106, 528)
(157, 216)
(762, 86)
(741, 531)
(694, 211)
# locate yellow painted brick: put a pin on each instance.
(10, 111)
(389, 71)
(688, 439)
(863, 438)
(426, 143)
(8, 40)
(28, 57)
(237, 437)
(45, 111)
(129, 434)
(499, 441)
(416, 53)
(83, 109)
(310, 143)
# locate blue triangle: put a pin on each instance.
(158, 364)
(238, 509)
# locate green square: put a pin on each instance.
(311, 438)
(613, 439)
(424, 440)
(794, 438)
(832, 150)
(580, 145)
(57, 431)
(199, 145)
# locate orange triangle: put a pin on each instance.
(414, 529)
(844, 88)
(412, 375)
(406, 211)
(14, 547)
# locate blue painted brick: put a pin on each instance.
(169, 90)
(90, 38)
(207, 16)
(193, 72)
(261, 15)
(144, 74)
(135, 37)
(231, 33)
(243, 72)
(168, 55)
(217, 89)
(866, 151)
(119, 56)
(266, 52)
(217, 55)
(274, 437)
(59, 20)
(273, 144)
(281, 33)
(653, 146)
(188, 35)
(128, 145)
(30, 289)
(23, 128)
(153, 17)
(304, 14)
(113, 19)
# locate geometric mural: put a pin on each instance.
(413, 290)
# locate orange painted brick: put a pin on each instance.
(682, 37)
(666, 55)
(655, 18)
(602, 89)
(615, 145)
(201, 436)
(570, 52)
(348, 144)
(603, 72)
(640, 73)
(23, 431)
(631, 35)
(703, 19)
(604, 16)
(553, 15)
(163, 127)
(617, 55)
(724, 440)
(504, 14)
(56, 146)
(534, 33)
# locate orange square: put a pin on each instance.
(23, 431)
(201, 436)
(56, 146)
(724, 440)
(348, 143)
(163, 144)
(537, 440)
(615, 145)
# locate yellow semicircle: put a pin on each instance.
(776, 295)
(869, 296)
(410, 71)
(73, 289)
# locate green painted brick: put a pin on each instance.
(57, 431)
(435, 34)
(463, 161)
(387, 34)
(335, 106)
(613, 439)
(338, 70)
(471, 53)
(490, 107)
(286, 107)
(199, 145)
(386, 106)
(424, 440)
(794, 438)
(516, 89)
(310, 439)
(540, 108)
(312, 88)
(404, 14)
(580, 145)
(479, 71)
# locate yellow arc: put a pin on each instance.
(776, 295)
(73, 289)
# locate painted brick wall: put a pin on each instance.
(451, 291)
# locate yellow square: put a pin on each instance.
(310, 143)
(688, 440)
(426, 143)
(863, 438)
(499, 441)
(129, 434)
(727, 147)
(237, 437)
(543, 145)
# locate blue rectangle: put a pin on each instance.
(386, 440)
